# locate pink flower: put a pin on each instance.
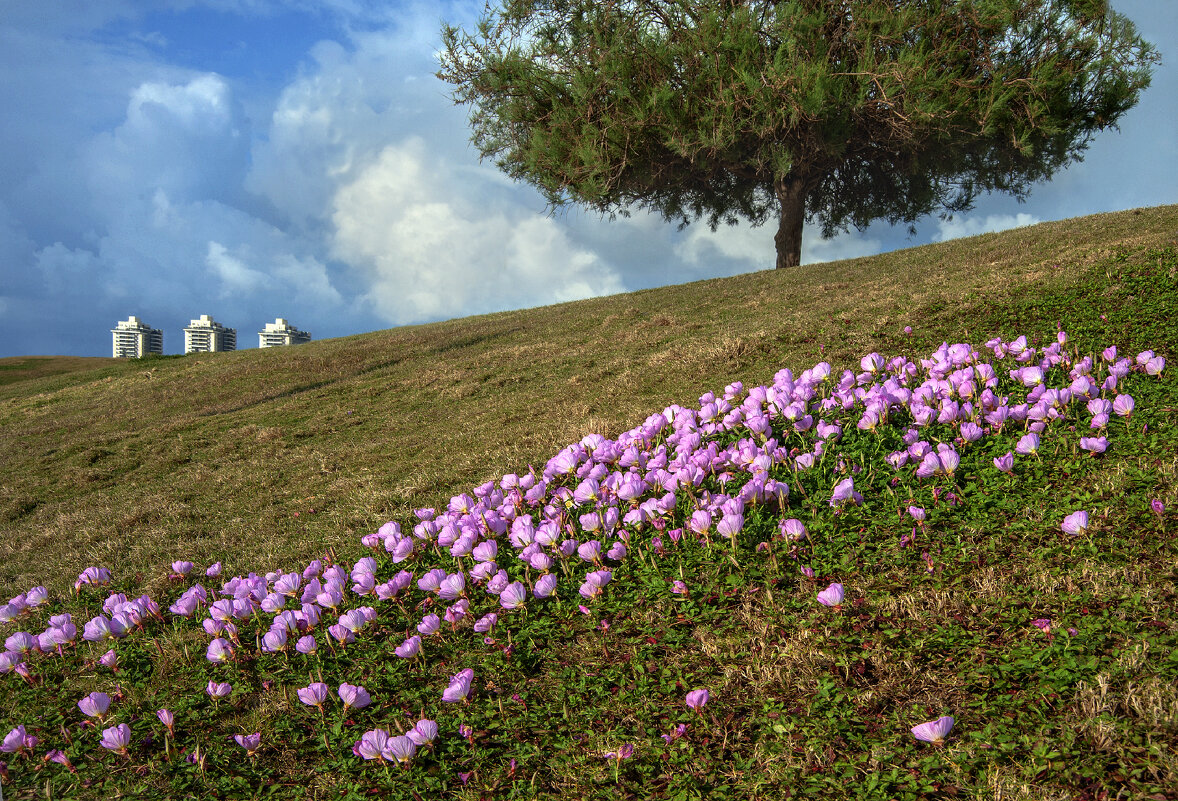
(116, 738)
(1075, 524)
(459, 687)
(399, 749)
(1043, 624)
(354, 696)
(219, 651)
(313, 694)
(16, 741)
(1123, 405)
(95, 705)
(410, 648)
(513, 596)
(832, 595)
(424, 732)
(697, 698)
(1094, 444)
(934, 731)
(109, 660)
(371, 745)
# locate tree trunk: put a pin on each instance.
(792, 196)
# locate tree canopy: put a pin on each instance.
(836, 111)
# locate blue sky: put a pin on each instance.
(253, 159)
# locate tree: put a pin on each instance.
(836, 111)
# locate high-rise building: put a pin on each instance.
(134, 339)
(205, 335)
(280, 332)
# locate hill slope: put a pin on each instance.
(243, 456)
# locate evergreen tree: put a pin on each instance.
(836, 111)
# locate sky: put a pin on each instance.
(255, 159)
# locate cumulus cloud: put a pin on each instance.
(189, 139)
(972, 226)
(432, 247)
(234, 274)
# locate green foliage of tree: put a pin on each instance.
(837, 111)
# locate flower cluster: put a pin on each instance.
(565, 532)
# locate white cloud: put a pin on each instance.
(188, 139)
(434, 247)
(234, 274)
(961, 226)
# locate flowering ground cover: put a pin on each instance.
(925, 573)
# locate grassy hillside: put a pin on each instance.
(266, 460)
(228, 454)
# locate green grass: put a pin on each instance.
(268, 459)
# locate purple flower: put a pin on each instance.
(182, 568)
(486, 623)
(1157, 506)
(219, 651)
(844, 491)
(306, 644)
(21, 642)
(371, 744)
(354, 696)
(792, 529)
(459, 687)
(934, 731)
(314, 694)
(1043, 624)
(116, 738)
(399, 749)
(424, 732)
(452, 586)
(168, 719)
(429, 624)
(109, 660)
(1123, 405)
(249, 742)
(341, 634)
(410, 648)
(545, 586)
(60, 758)
(678, 587)
(92, 575)
(15, 741)
(513, 596)
(1028, 445)
(697, 698)
(1075, 524)
(97, 629)
(216, 690)
(95, 705)
(832, 595)
(625, 751)
(1005, 463)
(1094, 444)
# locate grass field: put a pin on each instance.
(1052, 649)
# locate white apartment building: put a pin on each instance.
(134, 339)
(280, 332)
(205, 335)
